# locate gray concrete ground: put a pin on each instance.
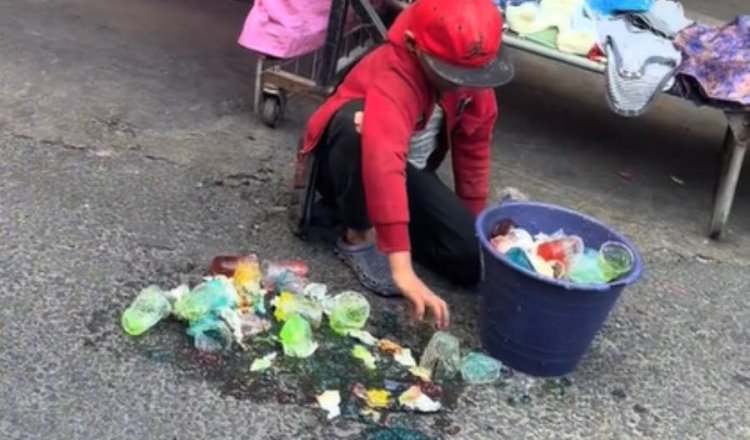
(129, 155)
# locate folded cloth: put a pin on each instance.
(547, 37)
(718, 58)
(576, 30)
(526, 18)
(640, 65)
(665, 18)
(582, 35)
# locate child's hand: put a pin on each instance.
(422, 299)
(420, 296)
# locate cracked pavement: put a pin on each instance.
(129, 155)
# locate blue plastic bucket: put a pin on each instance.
(534, 324)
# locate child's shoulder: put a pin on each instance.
(391, 69)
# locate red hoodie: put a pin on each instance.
(398, 100)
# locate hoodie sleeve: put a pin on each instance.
(471, 149)
(390, 113)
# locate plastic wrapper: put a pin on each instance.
(297, 338)
(416, 400)
(364, 337)
(585, 269)
(227, 264)
(263, 363)
(515, 238)
(148, 308)
(563, 249)
(287, 304)
(362, 353)
(389, 347)
(211, 334)
(214, 294)
(317, 292)
(253, 324)
(231, 318)
(377, 399)
(478, 368)
(443, 354)
(400, 354)
(423, 374)
(520, 258)
(330, 401)
(405, 358)
(285, 276)
(247, 281)
(175, 294)
(348, 311)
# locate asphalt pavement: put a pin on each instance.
(129, 155)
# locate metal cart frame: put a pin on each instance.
(275, 80)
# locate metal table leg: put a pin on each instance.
(735, 144)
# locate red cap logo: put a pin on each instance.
(465, 33)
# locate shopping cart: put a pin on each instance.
(316, 74)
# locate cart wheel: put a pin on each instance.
(272, 111)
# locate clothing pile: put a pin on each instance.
(561, 256)
(561, 24)
(650, 46)
(635, 36)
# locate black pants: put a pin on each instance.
(441, 227)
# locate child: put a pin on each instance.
(387, 127)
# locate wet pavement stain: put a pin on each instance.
(445, 425)
(381, 433)
(332, 367)
(292, 380)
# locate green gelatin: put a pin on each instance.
(615, 260)
(148, 308)
(348, 311)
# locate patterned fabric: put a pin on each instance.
(718, 58)
(686, 87)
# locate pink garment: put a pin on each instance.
(286, 28)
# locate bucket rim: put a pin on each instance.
(633, 276)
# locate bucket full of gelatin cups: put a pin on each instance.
(562, 256)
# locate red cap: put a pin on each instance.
(461, 40)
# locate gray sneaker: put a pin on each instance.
(370, 267)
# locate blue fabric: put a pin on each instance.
(609, 7)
